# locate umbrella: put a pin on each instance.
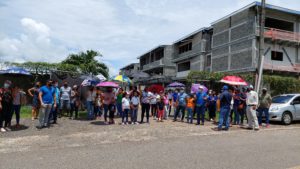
(176, 84)
(108, 84)
(138, 75)
(234, 80)
(15, 70)
(195, 88)
(101, 77)
(156, 88)
(90, 82)
(121, 78)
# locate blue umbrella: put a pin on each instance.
(15, 70)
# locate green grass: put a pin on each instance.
(26, 112)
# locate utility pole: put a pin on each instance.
(261, 46)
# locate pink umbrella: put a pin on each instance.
(108, 84)
(195, 88)
(234, 80)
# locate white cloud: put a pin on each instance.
(48, 30)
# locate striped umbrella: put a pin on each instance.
(121, 78)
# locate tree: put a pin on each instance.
(86, 63)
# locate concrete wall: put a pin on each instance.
(233, 42)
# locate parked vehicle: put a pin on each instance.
(285, 108)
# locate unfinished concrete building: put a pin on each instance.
(158, 64)
(193, 52)
(235, 43)
(130, 69)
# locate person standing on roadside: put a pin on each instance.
(265, 101)
(153, 105)
(90, 103)
(145, 98)
(65, 93)
(252, 102)
(201, 98)
(6, 106)
(125, 108)
(170, 98)
(190, 108)
(225, 99)
(135, 101)
(119, 102)
(75, 102)
(212, 105)
(47, 98)
(167, 105)
(174, 97)
(18, 96)
(54, 111)
(181, 105)
(109, 105)
(34, 93)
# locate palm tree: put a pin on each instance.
(87, 63)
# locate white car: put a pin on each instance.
(285, 108)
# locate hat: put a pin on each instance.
(265, 89)
(225, 87)
(251, 87)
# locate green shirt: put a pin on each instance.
(119, 98)
(265, 100)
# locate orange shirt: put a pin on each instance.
(190, 103)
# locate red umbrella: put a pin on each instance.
(156, 88)
(234, 80)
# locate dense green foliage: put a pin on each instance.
(277, 84)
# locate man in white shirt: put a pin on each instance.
(65, 94)
(252, 103)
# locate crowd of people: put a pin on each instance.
(50, 102)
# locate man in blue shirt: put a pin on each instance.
(225, 99)
(47, 98)
(175, 95)
(54, 111)
(181, 104)
(201, 98)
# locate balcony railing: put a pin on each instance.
(277, 34)
(153, 64)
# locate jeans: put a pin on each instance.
(224, 116)
(134, 112)
(260, 113)
(153, 110)
(236, 115)
(119, 108)
(200, 110)
(98, 111)
(212, 111)
(6, 114)
(251, 115)
(179, 109)
(53, 114)
(90, 110)
(125, 116)
(74, 108)
(16, 109)
(190, 115)
(145, 108)
(44, 114)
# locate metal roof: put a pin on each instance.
(268, 6)
(159, 46)
(131, 64)
(192, 34)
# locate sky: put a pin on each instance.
(121, 30)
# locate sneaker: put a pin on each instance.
(32, 118)
(123, 123)
(7, 129)
(3, 130)
(256, 129)
(39, 127)
(268, 126)
(137, 123)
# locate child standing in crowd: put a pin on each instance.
(190, 108)
(167, 106)
(119, 102)
(98, 104)
(135, 101)
(17, 101)
(125, 108)
(160, 109)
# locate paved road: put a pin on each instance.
(160, 145)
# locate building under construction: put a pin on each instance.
(235, 44)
